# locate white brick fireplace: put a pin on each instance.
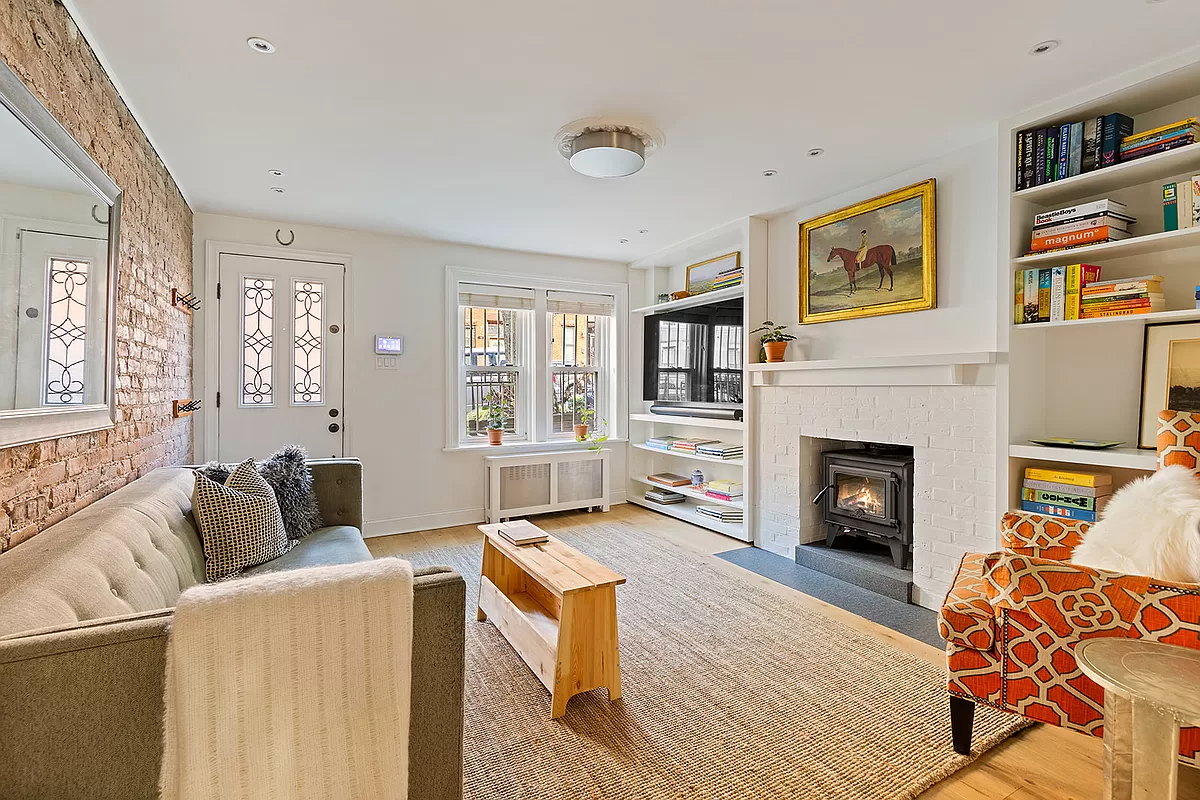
(946, 410)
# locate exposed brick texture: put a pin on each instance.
(41, 484)
(952, 432)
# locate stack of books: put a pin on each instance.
(1122, 297)
(719, 450)
(1158, 140)
(669, 479)
(1051, 294)
(1068, 149)
(1080, 225)
(1181, 204)
(690, 445)
(727, 278)
(664, 497)
(523, 532)
(721, 514)
(724, 490)
(1067, 494)
(661, 442)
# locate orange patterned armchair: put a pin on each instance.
(1011, 619)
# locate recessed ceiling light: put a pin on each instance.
(1041, 48)
(770, 173)
(643, 231)
(275, 173)
(278, 189)
(624, 241)
(816, 151)
(260, 45)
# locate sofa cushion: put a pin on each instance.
(240, 522)
(337, 544)
(289, 476)
(132, 551)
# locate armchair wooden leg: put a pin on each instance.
(962, 719)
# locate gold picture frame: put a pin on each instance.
(706, 271)
(894, 234)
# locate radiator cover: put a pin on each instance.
(538, 483)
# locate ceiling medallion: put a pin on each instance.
(601, 148)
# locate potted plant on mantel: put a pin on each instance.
(774, 341)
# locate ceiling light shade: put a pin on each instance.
(602, 148)
(607, 154)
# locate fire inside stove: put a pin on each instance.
(861, 495)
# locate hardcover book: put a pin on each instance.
(1058, 293)
(1057, 498)
(1048, 510)
(1051, 153)
(1081, 210)
(1077, 238)
(1160, 147)
(1075, 155)
(1039, 163)
(1063, 168)
(1070, 477)
(1116, 128)
(1091, 143)
(1066, 488)
(1094, 221)
(1043, 295)
(1019, 182)
(1029, 159)
(1031, 295)
(1170, 199)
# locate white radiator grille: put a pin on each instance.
(538, 483)
(580, 480)
(525, 485)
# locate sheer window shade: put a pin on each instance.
(585, 303)
(509, 298)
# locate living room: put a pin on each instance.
(637, 402)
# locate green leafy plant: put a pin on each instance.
(773, 333)
(497, 407)
(586, 416)
(597, 436)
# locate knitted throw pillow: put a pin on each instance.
(288, 475)
(240, 524)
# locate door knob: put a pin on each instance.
(334, 427)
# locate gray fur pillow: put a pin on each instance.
(290, 478)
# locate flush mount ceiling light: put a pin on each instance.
(260, 45)
(275, 173)
(770, 173)
(816, 151)
(604, 149)
(1041, 48)
(278, 189)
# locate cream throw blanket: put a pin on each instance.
(293, 684)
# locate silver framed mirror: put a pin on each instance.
(60, 219)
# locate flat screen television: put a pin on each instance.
(695, 355)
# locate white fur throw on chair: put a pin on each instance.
(1150, 527)
(291, 684)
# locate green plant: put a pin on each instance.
(496, 406)
(586, 416)
(773, 333)
(597, 436)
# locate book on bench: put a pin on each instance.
(521, 532)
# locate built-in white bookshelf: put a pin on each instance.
(663, 273)
(1083, 378)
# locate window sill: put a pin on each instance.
(554, 446)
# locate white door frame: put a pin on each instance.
(206, 445)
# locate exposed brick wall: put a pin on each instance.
(952, 432)
(41, 484)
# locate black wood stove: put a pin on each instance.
(868, 493)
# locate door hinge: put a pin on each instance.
(218, 399)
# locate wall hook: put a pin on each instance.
(182, 408)
(101, 221)
(279, 239)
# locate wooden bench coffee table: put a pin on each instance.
(558, 610)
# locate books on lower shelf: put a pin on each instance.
(1181, 204)
(721, 513)
(1067, 494)
(1122, 297)
(661, 442)
(1051, 294)
(522, 532)
(669, 479)
(689, 445)
(723, 490)
(719, 450)
(663, 497)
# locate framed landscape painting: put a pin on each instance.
(1170, 375)
(876, 257)
(700, 276)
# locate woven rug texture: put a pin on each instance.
(732, 691)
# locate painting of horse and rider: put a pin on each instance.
(876, 257)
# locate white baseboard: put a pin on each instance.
(441, 519)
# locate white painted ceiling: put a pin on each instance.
(437, 118)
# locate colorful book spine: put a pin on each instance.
(1044, 282)
(1075, 156)
(1119, 313)
(1120, 305)
(1051, 153)
(1170, 200)
(1031, 295)
(1055, 498)
(1076, 238)
(1091, 143)
(1048, 510)
(1019, 163)
(1069, 477)
(1094, 221)
(1058, 293)
(1136, 141)
(1195, 182)
(1078, 211)
(1161, 147)
(1018, 297)
(1190, 122)
(1183, 204)
(1063, 168)
(1039, 164)
(1116, 128)
(1029, 159)
(1064, 488)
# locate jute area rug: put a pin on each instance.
(731, 692)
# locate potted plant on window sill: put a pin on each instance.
(585, 420)
(774, 341)
(496, 417)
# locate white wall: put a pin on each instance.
(395, 419)
(965, 317)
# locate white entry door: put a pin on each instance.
(280, 357)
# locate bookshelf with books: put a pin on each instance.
(1091, 258)
(718, 448)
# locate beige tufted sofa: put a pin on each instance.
(85, 608)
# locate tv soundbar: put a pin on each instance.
(705, 411)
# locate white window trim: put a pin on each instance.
(536, 430)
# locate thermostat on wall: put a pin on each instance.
(388, 345)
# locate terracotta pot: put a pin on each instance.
(495, 436)
(581, 432)
(775, 351)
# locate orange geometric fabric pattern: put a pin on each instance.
(1179, 439)
(967, 617)
(1042, 537)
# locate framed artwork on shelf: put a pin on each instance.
(1170, 375)
(700, 277)
(892, 237)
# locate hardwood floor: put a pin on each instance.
(1041, 763)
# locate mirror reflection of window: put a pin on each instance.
(53, 278)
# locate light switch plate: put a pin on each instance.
(387, 362)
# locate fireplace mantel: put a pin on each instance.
(937, 369)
